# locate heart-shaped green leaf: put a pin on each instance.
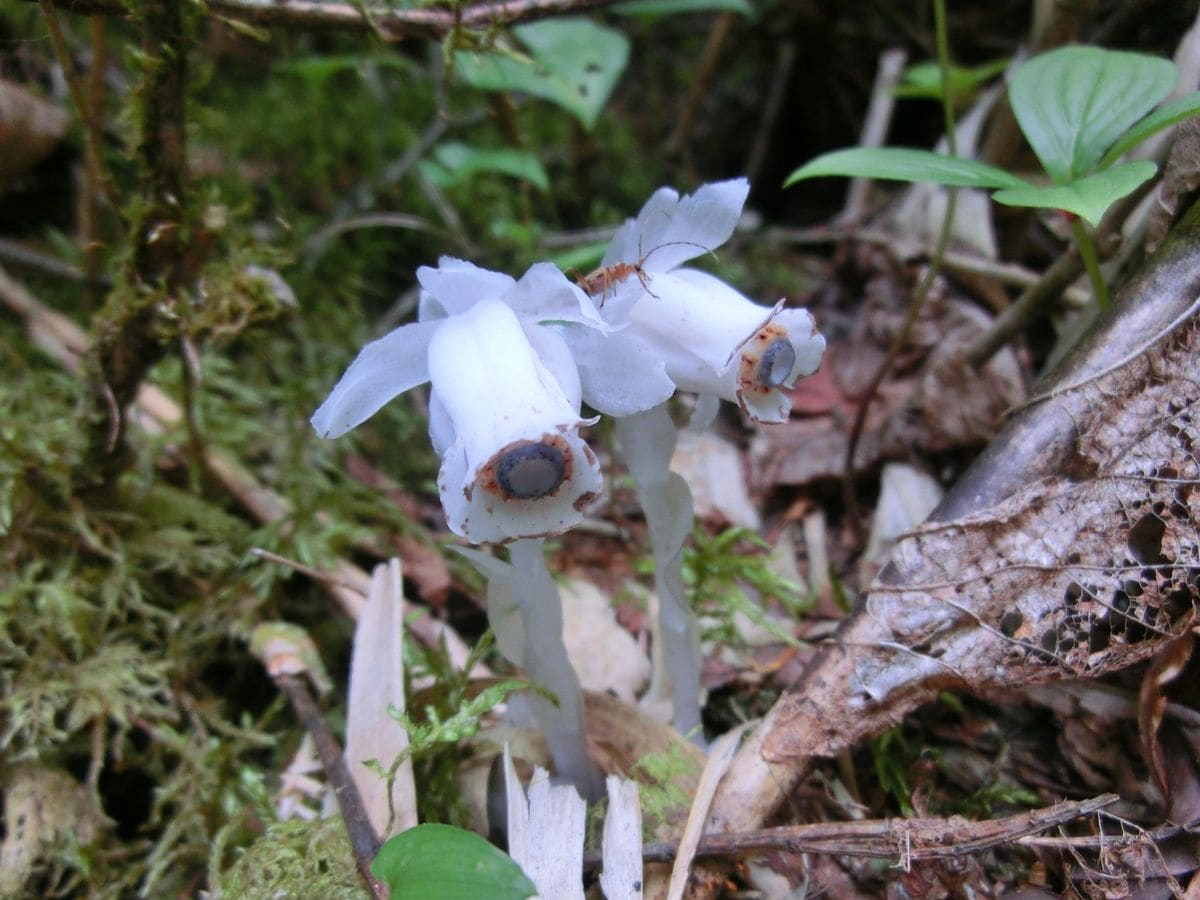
(902, 164)
(1089, 197)
(437, 862)
(1075, 102)
(575, 63)
(1161, 118)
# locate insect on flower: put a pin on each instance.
(599, 282)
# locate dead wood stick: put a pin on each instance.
(875, 128)
(909, 840)
(392, 23)
(1036, 299)
(363, 840)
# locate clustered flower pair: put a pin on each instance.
(511, 362)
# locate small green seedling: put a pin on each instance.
(1080, 108)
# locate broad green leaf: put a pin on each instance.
(438, 862)
(574, 63)
(1089, 197)
(455, 163)
(1161, 118)
(1075, 102)
(667, 7)
(901, 164)
(925, 79)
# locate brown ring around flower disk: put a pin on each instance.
(528, 470)
(767, 359)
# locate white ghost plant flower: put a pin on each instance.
(504, 408)
(711, 339)
(714, 340)
(517, 466)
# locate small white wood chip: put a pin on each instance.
(545, 834)
(621, 878)
(376, 682)
(719, 758)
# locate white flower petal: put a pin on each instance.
(627, 243)
(556, 356)
(620, 374)
(545, 294)
(717, 341)
(517, 467)
(667, 234)
(457, 285)
(382, 370)
(441, 429)
(429, 308)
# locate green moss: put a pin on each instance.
(295, 859)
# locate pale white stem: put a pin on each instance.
(546, 662)
(647, 440)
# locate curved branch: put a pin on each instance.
(394, 24)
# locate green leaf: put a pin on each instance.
(668, 7)
(575, 63)
(925, 79)
(438, 862)
(1161, 118)
(901, 164)
(1090, 197)
(1075, 102)
(454, 163)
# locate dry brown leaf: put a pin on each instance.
(1167, 665)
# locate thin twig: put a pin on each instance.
(777, 93)
(912, 839)
(363, 839)
(1035, 299)
(13, 252)
(393, 23)
(88, 115)
(701, 80)
(849, 486)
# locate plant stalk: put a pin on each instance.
(1091, 262)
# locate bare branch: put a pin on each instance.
(394, 24)
(363, 839)
(910, 840)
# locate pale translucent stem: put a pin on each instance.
(647, 441)
(546, 663)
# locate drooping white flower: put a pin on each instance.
(711, 339)
(504, 409)
(517, 466)
(714, 340)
